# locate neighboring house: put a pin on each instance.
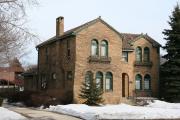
(30, 77)
(10, 77)
(126, 65)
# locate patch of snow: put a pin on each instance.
(154, 110)
(6, 114)
(162, 104)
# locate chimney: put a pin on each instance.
(59, 26)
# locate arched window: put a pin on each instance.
(104, 48)
(94, 48)
(99, 79)
(146, 54)
(138, 82)
(88, 77)
(109, 81)
(138, 54)
(147, 82)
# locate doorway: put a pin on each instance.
(125, 85)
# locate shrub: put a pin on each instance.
(91, 93)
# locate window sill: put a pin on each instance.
(99, 59)
(108, 90)
(143, 90)
(143, 63)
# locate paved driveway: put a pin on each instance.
(33, 114)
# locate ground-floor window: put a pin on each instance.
(138, 79)
(109, 81)
(99, 79)
(147, 82)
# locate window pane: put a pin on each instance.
(104, 48)
(146, 54)
(138, 84)
(125, 56)
(109, 81)
(146, 84)
(98, 82)
(94, 50)
(99, 79)
(108, 84)
(138, 81)
(138, 54)
(103, 51)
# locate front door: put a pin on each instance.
(125, 85)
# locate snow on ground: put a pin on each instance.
(6, 114)
(166, 105)
(156, 110)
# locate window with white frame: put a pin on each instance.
(147, 82)
(99, 79)
(146, 54)
(109, 81)
(94, 48)
(104, 48)
(125, 56)
(139, 54)
(138, 80)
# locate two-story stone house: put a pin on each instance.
(126, 65)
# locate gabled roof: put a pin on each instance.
(128, 38)
(78, 29)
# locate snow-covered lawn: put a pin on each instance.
(6, 114)
(156, 110)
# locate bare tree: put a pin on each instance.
(14, 35)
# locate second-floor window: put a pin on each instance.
(94, 48)
(125, 56)
(139, 54)
(146, 54)
(104, 48)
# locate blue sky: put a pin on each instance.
(128, 16)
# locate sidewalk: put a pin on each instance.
(33, 114)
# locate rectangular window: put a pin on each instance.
(138, 85)
(146, 84)
(98, 82)
(68, 49)
(69, 75)
(125, 56)
(108, 84)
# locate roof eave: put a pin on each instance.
(55, 39)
